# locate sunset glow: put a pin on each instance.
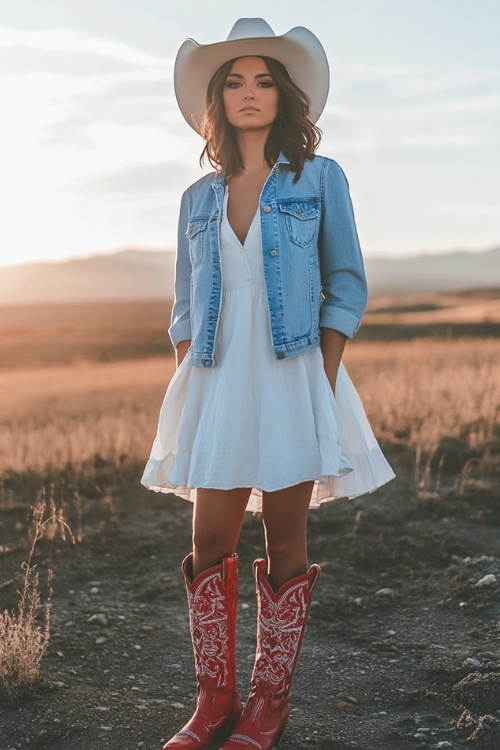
(94, 153)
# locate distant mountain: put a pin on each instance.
(443, 272)
(126, 275)
(144, 274)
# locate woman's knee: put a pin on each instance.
(217, 520)
(279, 547)
(213, 543)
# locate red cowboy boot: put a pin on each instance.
(281, 624)
(212, 599)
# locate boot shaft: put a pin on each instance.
(281, 624)
(212, 601)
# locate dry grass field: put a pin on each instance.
(433, 398)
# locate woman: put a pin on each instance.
(260, 414)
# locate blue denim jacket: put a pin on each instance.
(313, 267)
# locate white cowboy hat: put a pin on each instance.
(299, 50)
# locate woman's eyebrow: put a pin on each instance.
(258, 75)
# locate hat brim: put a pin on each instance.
(299, 50)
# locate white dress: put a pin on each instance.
(255, 421)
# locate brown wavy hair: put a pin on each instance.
(291, 132)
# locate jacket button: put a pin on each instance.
(281, 355)
(273, 253)
(266, 209)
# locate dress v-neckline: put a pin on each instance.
(242, 244)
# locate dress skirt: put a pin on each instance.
(255, 421)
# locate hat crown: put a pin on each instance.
(248, 28)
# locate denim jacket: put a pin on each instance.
(313, 267)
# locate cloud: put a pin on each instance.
(70, 41)
(405, 107)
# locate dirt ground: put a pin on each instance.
(403, 643)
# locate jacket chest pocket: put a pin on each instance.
(301, 218)
(196, 233)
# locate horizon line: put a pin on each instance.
(113, 253)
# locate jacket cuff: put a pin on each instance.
(179, 331)
(339, 320)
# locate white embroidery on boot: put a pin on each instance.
(281, 625)
(188, 733)
(244, 738)
(209, 629)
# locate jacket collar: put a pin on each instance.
(282, 159)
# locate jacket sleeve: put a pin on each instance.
(343, 279)
(180, 324)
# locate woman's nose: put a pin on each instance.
(248, 94)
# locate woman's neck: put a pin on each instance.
(251, 146)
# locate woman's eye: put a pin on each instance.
(266, 84)
(232, 84)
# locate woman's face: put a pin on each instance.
(250, 95)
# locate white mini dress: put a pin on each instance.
(253, 420)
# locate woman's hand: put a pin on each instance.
(181, 351)
(332, 347)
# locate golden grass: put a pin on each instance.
(54, 415)
(417, 394)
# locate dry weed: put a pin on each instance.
(23, 641)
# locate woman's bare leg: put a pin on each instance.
(217, 520)
(284, 514)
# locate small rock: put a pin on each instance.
(176, 704)
(245, 606)
(444, 743)
(391, 632)
(488, 580)
(471, 663)
(420, 736)
(137, 647)
(99, 641)
(490, 656)
(389, 593)
(358, 600)
(99, 619)
(94, 590)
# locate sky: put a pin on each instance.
(95, 154)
